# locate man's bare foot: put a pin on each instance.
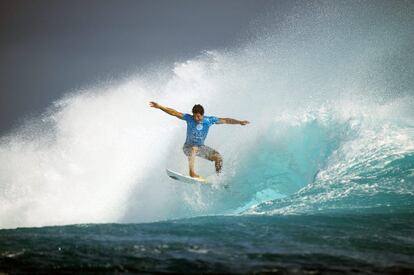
(194, 175)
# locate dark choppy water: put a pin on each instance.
(311, 244)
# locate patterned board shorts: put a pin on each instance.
(203, 151)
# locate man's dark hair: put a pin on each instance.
(198, 109)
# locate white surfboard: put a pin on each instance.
(186, 179)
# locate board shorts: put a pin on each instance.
(203, 151)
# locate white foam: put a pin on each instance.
(97, 155)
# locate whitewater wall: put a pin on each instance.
(328, 91)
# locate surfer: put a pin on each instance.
(197, 130)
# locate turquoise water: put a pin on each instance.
(317, 197)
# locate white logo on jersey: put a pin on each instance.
(199, 127)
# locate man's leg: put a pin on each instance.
(218, 162)
(191, 151)
(191, 160)
(212, 155)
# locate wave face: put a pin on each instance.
(328, 89)
(364, 166)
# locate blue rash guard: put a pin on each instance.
(197, 132)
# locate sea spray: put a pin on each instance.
(329, 108)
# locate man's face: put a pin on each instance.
(198, 117)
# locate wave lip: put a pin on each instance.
(371, 170)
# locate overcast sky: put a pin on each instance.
(51, 47)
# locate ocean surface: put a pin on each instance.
(320, 182)
(304, 244)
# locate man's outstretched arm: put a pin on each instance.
(168, 110)
(232, 121)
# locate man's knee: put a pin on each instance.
(216, 157)
(194, 150)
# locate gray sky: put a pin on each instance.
(48, 48)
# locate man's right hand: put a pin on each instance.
(168, 110)
(154, 105)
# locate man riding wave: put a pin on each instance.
(197, 130)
